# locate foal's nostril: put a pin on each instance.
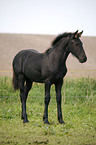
(85, 59)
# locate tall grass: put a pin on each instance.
(78, 108)
(72, 88)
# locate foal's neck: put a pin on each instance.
(65, 55)
(57, 58)
(61, 52)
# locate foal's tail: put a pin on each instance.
(15, 82)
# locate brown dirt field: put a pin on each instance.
(10, 44)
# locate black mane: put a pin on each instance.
(59, 37)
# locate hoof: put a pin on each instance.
(25, 121)
(61, 121)
(46, 121)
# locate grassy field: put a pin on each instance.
(78, 107)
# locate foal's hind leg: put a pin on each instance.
(27, 88)
(26, 91)
(23, 95)
(21, 81)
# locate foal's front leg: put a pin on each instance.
(58, 87)
(47, 100)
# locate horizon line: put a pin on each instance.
(21, 33)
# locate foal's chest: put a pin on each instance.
(55, 76)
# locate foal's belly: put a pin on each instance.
(34, 75)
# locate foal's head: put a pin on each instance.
(76, 47)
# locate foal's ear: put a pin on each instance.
(79, 34)
(75, 35)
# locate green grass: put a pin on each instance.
(78, 107)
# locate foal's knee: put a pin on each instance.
(47, 99)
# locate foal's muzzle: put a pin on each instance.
(83, 59)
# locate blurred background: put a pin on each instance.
(26, 24)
